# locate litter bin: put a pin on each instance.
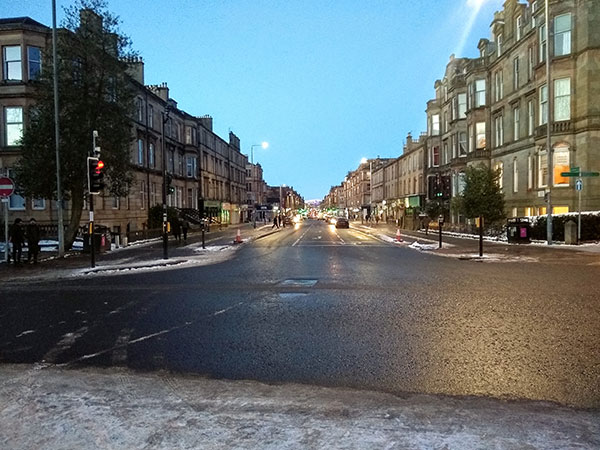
(518, 231)
(102, 240)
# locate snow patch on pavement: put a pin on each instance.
(51, 408)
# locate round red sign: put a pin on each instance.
(7, 187)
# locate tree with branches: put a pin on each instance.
(95, 93)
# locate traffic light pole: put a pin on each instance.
(91, 233)
(165, 118)
(91, 227)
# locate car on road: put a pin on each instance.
(342, 222)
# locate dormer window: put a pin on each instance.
(499, 44)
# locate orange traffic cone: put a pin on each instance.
(398, 235)
(238, 237)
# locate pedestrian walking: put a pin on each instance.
(16, 237)
(176, 229)
(185, 225)
(33, 241)
(275, 222)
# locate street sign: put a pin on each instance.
(579, 184)
(572, 173)
(7, 187)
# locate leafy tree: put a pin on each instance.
(95, 93)
(482, 195)
(436, 208)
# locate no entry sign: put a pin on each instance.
(7, 187)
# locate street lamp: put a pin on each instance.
(364, 161)
(549, 105)
(264, 145)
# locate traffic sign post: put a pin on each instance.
(7, 187)
(576, 172)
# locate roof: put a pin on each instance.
(22, 21)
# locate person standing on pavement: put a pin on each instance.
(185, 225)
(176, 227)
(16, 237)
(33, 241)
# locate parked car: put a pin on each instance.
(342, 222)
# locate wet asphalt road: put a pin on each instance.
(332, 307)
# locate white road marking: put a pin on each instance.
(298, 240)
(65, 343)
(153, 335)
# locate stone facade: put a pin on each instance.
(208, 173)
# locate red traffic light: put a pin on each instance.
(99, 165)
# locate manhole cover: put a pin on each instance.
(299, 283)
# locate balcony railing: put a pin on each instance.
(564, 126)
(479, 154)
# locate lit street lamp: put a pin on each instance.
(264, 146)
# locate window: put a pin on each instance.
(34, 62)
(140, 157)
(435, 124)
(514, 212)
(188, 135)
(16, 202)
(519, 28)
(480, 136)
(499, 85)
(516, 123)
(38, 204)
(516, 73)
(140, 110)
(435, 156)
(470, 131)
(560, 161)
(115, 202)
(542, 40)
(499, 126)
(470, 96)
(12, 67)
(499, 44)
(151, 116)
(462, 144)
(542, 169)
(562, 99)
(13, 124)
(142, 195)
(533, 12)
(445, 155)
(151, 155)
(462, 106)
(529, 172)
(530, 63)
(530, 117)
(543, 105)
(153, 191)
(191, 167)
(454, 146)
(445, 122)
(479, 93)
(515, 176)
(562, 35)
(499, 167)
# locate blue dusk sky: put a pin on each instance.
(324, 82)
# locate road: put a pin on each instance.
(317, 305)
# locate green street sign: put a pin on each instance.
(569, 174)
(589, 174)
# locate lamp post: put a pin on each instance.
(253, 184)
(165, 119)
(549, 129)
(59, 196)
(264, 146)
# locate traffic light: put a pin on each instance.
(446, 187)
(438, 187)
(95, 175)
(170, 187)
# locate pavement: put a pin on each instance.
(52, 408)
(465, 246)
(139, 254)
